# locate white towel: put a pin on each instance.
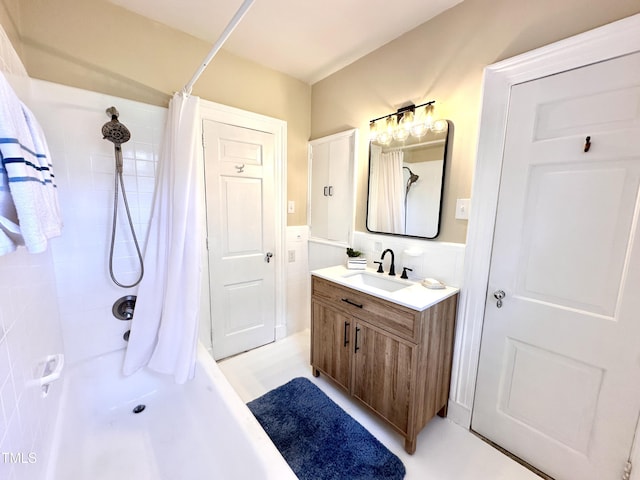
(28, 194)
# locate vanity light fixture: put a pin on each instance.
(408, 121)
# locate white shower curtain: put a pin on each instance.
(386, 213)
(164, 330)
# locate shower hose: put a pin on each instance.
(120, 181)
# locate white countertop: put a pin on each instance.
(413, 295)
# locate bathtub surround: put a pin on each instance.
(164, 331)
(84, 162)
(29, 332)
(319, 439)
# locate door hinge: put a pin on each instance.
(204, 140)
(206, 243)
(626, 475)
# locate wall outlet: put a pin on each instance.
(292, 256)
(463, 206)
(291, 207)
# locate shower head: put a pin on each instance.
(113, 130)
(413, 178)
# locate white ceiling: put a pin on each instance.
(306, 39)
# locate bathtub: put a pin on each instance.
(196, 431)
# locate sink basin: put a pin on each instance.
(376, 281)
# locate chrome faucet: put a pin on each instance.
(392, 268)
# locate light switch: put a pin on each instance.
(462, 208)
(291, 207)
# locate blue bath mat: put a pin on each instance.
(318, 439)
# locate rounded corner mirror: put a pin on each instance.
(406, 183)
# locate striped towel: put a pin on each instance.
(29, 209)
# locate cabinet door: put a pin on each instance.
(382, 373)
(339, 191)
(319, 208)
(330, 349)
(331, 168)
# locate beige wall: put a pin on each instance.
(98, 46)
(443, 60)
(9, 19)
(95, 45)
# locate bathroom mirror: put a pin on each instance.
(406, 182)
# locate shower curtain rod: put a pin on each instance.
(218, 45)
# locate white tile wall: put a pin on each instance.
(29, 331)
(84, 165)
(34, 313)
(325, 254)
(440, 260)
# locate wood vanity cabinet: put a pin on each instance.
(393, 359)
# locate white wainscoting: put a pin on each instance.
(298, 312)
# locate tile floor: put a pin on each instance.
(445, 450)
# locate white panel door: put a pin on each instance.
(239, 164)
(559, 374)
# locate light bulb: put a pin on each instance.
(384, 138)
(428, 115)
(400, 134)
(385, 134)
(420, 125)
(419, 129)
(373, 131)
(439, 126)
(404, 126)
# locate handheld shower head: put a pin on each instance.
(413, 178)
(114, 131)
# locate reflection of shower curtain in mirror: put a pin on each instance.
(387, 186)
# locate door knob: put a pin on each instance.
(499, 295)
(268, 256)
